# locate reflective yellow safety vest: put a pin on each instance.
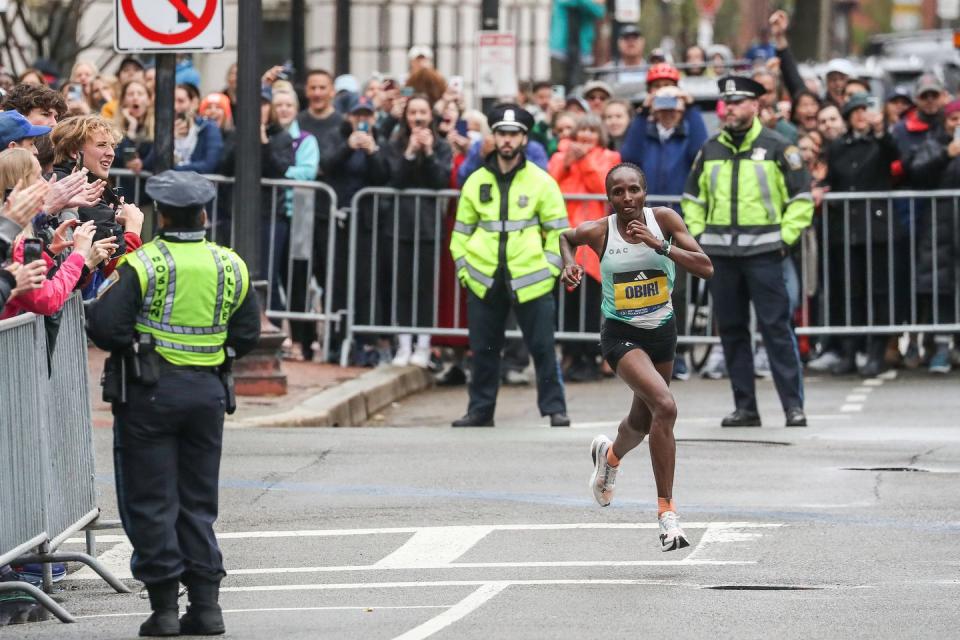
(748, 200)
(190, 291)
(512, 222)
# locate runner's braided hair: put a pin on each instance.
(626, 165)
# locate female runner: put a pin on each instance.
(638, 247)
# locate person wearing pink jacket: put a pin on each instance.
(55, 291)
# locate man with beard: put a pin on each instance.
(756, 189)
(506, 248)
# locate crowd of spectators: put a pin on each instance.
(417, 132)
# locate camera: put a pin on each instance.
(104, 216)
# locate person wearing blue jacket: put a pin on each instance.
(197, 142)
(665, 147)
(306, 164)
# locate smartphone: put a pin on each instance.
(363, 127)
(559, 91)
(32, 250)
(462, 127)
(456, 84)
(129, 154)
(75, 93)
(406, 92)
(79, 164)
(287, 72)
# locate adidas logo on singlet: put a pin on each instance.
(641, 276)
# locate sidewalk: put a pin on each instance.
(318, 395)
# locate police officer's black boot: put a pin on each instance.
(203, 616)
(163, 600)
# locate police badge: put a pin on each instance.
(523, 201)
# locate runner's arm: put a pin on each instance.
(684, 249)
(589, 234)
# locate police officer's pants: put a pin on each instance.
(487, 319)
(735, 283)
(167, 443)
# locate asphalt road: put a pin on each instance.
(416, 530)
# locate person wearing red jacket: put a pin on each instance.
(580, 166)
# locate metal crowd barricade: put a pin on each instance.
(909, 236)
(374, 311)
(47, 485)
(914, 223)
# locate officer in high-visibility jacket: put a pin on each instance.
(506, 247)
(748, 199)
(172, 315)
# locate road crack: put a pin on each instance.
(276, 478)
(915, 458)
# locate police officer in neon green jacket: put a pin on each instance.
(747, 200)
(168, 314)
(506, 248)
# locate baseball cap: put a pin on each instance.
(899, 92)
(346, 83)
(14, 128)
(842, 66)
(360, 104)
(595, 85)
(577, 100)
(630, 30)
(927, 82)
(856, 101)
(420, 51)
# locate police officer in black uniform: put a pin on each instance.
(172, 315)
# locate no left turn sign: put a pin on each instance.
(168, 25)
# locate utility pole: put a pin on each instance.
(163, 108)
(298, 40)
(341, 61)
(489, 21)
(246, 218)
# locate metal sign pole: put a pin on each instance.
(247, 188)
(163, 109)
(489, 21)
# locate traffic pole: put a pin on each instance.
(163, 110)
(258, 373)
(489, 21)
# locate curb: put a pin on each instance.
(349, 404)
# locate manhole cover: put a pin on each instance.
(761, 587)
(906, 469)
(766, 443)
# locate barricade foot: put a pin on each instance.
(83, 558)
(43, 599)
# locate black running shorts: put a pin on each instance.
(618, 338)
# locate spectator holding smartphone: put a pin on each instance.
(197, 142)
(15, 215)
(419, 159)
(20, 168)
(135, 119)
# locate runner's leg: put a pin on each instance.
(650, 383)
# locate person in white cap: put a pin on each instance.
(420, 57)
(839, 71)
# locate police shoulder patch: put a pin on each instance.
(792, 155)
(105, 286)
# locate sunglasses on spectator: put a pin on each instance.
(595, 96)
(929, 95)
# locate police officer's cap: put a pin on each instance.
(180, 189)
(737, 88)
(510, 117)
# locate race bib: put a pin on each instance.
(637, 293)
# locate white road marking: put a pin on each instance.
(490, 565)
(463, 608)
(356, 586)
(681, 422)
(279, 609)
(851, 408)
(873, 382)
(718, 535)
(888, 375)
(856, 397)
(434, 546)
(315, 533)
(863, 390)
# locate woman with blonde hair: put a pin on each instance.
(135, 119)
(19, 168)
